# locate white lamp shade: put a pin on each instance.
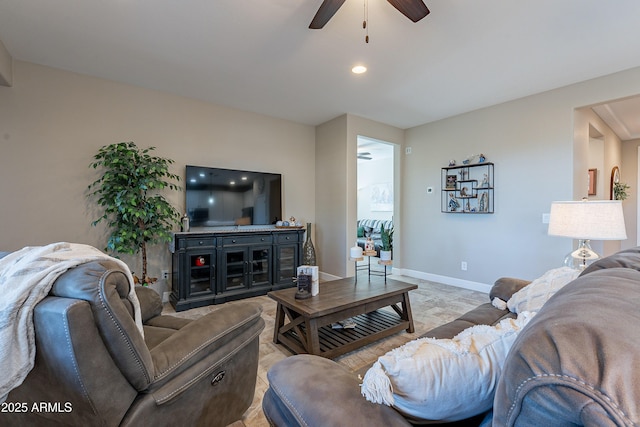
(588, 220)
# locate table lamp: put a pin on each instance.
(586, 220)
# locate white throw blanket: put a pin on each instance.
(26, 277)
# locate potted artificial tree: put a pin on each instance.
(129, 191)
(386, 237)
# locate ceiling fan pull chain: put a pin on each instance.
(366, 20)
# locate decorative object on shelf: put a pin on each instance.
(291, 223)
(369, 245)
(129, 192)
(586, 220)
(452, 162)
(469, 160)
(468, 188)
(454, 205)
(184, 223)
(386, 237)
(308, 251)
(451, 182)
(484, 202)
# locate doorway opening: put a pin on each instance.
(375, 184)
(375, 179)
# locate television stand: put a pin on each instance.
(216, 266)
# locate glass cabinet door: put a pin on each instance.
(260, 262)
(201, 272)
(235, 268)
(286, 263)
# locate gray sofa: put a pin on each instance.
(287, 404)
(93, 363)
(574, 364)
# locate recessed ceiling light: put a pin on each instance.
(359, 69)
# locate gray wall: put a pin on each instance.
(538, 160)
(52, 122)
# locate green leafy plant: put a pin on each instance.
(386, 237)
(129, 191)
(620, 191)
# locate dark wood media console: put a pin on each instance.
(213, 267)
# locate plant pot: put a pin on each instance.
(385, 255)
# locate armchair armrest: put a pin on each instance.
(504, 287)
(304, 387)
(208, 341)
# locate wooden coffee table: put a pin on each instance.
(304, 326)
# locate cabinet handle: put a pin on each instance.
(233, 240)
(201, 243)
(262, 240)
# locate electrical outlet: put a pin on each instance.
(407, 150)
(463, 266)
(165, 274)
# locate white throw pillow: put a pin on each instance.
(444, 379)
(533, 296)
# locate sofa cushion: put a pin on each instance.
(150, 303)
(310, 390)
(533, 296)
(444, 379)
(576, 362)
(628, 258)
(505, 287)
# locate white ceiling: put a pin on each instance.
(622, 116)
(259, 55)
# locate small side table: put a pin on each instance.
(386, 264)
(356, 260)
(367, 266)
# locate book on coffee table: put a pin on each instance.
(344, 324)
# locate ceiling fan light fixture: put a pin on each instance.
(359, 69)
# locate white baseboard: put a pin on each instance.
(326, 277)
(452, 281)
(460, 283)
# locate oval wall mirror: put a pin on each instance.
(615, 178)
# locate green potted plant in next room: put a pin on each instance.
(386, 237)
(129, 193)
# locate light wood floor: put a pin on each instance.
(432, 304)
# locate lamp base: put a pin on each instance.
(582, 257)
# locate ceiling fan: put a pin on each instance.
(415, 10)
(364, 155)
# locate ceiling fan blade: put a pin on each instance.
(327, 9)
(412, 9)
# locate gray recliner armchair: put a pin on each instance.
(94, 367)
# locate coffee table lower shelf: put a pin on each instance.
(370, 327)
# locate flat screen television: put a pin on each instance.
(218, 197)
